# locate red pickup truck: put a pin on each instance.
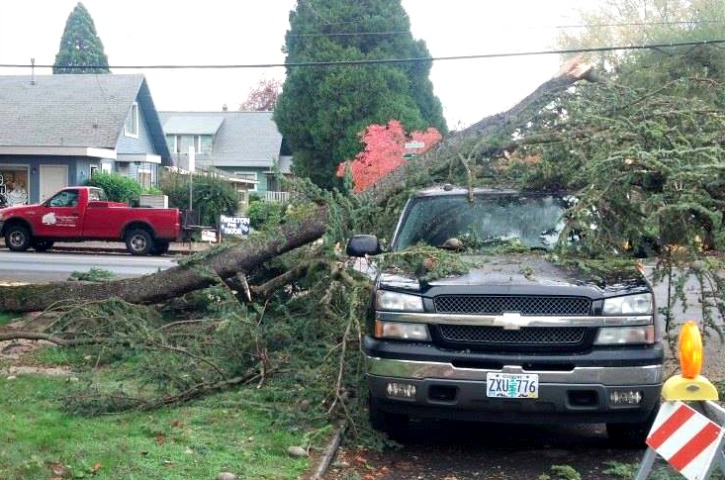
(76, 214)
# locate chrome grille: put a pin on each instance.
(497, 305)
(527, 336)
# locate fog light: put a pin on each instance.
(625, 397)
(401, 390)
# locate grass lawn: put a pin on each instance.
(234, 431)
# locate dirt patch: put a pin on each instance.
(13, 353)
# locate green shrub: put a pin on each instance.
(117, 187)
(264, 215)
(211, 195)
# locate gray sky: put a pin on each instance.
(193, 32)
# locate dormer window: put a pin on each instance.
(132, 121)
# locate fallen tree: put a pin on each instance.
(226, 263)
(201, 272)
(268, 305)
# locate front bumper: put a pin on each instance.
(572, 389)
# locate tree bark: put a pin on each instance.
(200, 272)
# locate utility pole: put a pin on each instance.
(192, 166)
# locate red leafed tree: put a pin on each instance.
(385, 150)
(263, 97)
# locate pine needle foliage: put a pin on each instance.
(81, 50)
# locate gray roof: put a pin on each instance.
(187, 125)
(73, 110)
(248, 139)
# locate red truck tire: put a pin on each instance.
(18, 238)
(139, 242)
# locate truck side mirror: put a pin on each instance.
(362, 245)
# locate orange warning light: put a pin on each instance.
(690, 346)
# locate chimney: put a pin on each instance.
(32, 71)
(224, 108)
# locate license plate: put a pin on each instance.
(512, 385)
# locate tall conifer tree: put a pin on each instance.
(81, 51)
(323, 108)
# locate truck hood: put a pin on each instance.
(526, 274)
(13, 210)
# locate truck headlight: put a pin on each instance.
(401, 330)
(631, 304)
(386, 300)
(644, 335)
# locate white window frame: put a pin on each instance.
(132, 122)
(244, 175)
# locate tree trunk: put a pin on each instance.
(203, 271)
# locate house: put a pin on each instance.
(245, 147)
(58, 130)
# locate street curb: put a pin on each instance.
(328, 455)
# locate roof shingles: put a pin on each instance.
(243, 139)
(65, 110)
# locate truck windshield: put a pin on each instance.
(489, 221)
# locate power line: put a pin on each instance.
(388, 60)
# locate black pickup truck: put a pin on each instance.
(518, 338)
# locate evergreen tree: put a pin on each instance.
(323, 108)
(81, 51)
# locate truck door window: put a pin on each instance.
(66, 198)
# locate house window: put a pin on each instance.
(248, 176)
(94, 170)
(132, 121)
(13, 186)
(183, 142)
(171, 143)
(180, 144)
(204, 144)
(144, 178)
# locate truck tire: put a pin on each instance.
(160, 247)
(42, 245)
(18, 238)
(139, 242)
(394, 424)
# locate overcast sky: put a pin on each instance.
(251, 32)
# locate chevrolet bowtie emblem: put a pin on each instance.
(510, 321)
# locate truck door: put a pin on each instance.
(60, 216)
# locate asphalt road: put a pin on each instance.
(53, 266)
(458, 451)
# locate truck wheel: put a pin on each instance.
(17, 238)
(631, 435)
(139, 242)
(42, 245)
(160, 247)
(394, 424)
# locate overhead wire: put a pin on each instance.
(658, 46)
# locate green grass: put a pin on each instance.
(6, 317)
(235, 432)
